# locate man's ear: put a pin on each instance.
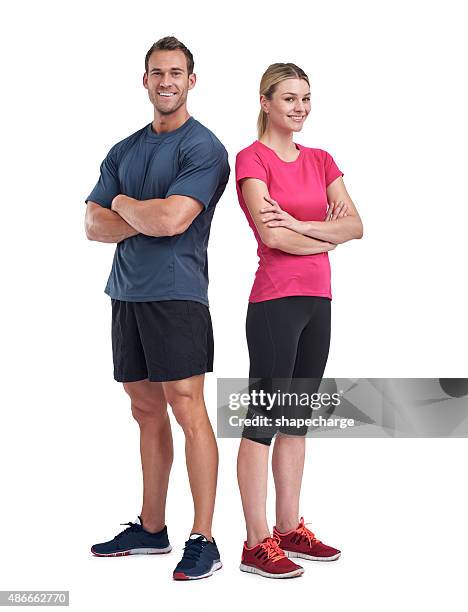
(192, 80)
(145, 81)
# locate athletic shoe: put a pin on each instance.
(268, 560)
(302, 543)
(200, 559)
(134, 541)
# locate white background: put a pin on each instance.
(389, 103)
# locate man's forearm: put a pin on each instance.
(150, 217)
(296, 244)
(104, 225)
(336, 232)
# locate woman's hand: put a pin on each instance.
(336, 210)
(274, 216)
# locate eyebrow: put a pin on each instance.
(290, 93)
(174, 69)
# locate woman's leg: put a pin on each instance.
(252, 476)
(288, 466)
(289, 450)
(273, 331)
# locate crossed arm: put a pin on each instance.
(335, 229)
(278, 230)
(128, 217)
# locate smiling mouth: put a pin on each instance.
(165, 94)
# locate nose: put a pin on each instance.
(299, 107)
(165, 81)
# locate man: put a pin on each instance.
(155, 198)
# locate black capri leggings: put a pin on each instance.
(288, 338)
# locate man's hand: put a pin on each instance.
(119, 199)
(275, 216)
(104, 225)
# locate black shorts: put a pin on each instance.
(161, 341)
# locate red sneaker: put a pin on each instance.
(267, 559)
(301, 542)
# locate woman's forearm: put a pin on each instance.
(291, 242)
(337, 231)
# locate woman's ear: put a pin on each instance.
(265, 104)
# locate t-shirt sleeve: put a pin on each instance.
(205, 170)
(249, 165)
(108, 185)
(332, 171)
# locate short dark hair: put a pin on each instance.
(171, 43)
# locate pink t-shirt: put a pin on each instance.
(299, 187)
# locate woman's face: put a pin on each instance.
(289, 105)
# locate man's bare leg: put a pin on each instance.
(201, 452)
(149, 408)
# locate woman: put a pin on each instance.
(298, 208)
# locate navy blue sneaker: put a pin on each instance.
(134, 541)
(200, 559)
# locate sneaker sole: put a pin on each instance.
(217, 565)
(135, 551)
(255, 570)
(297, 555)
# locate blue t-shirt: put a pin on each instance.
(188, 161)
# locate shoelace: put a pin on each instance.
(272, 549)
(193, 548)
(131, 527)
(307, 533)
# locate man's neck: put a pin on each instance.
(169, 123)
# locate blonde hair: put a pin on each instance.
(273, 75)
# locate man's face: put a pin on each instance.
(168, 81)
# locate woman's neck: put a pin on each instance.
(281, 142)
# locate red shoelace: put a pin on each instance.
(303, 531)
(272, 549)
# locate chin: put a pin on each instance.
(166, 110)
(294, 127)
(163, 109)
